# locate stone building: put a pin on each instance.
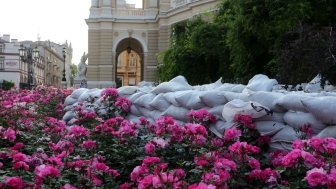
(115, 27)
(47, 69)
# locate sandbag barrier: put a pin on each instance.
(277, 113)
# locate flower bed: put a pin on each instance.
(38, 150)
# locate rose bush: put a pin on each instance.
(102, 149)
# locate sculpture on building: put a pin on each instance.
(82, 68)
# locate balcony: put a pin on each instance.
(129, 14)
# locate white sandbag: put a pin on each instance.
(232, 96)
(178, 83)
(178, 113)
(323, 108)
(89, 95)
(68, 108)
(238, 106)
(145, 100)
(170, 97)
(146, 89)
(269, 128)
(226, 87)
(329, 131)
(69, 100)
(282, 146)
(133, 118)
(298, 119)
(210, 86)
(238, 88)
(135, 110)
(213, 98)
(219, 127)
(155, 114)
(159, 102)
(68, 116)
(314, 85)
(292, 102)
(216, 111)
(287, 134)
(146, 84)
(275, 116)
(135, 96)
(268, 99)
(127, 90)
(76, 93)
(190, 100)
(145, 112)
(261, 82)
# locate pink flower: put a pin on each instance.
(89, 144)
(68, 186)
(330, 145)
(110, 93)
(96, 181)
(332, 179)
(78, 131)
(20, 157)
(291, 158)
(242, 148)
(316, 177)
(202, 186)
(17, 146)
(150, 147)
(225, 164)
(245, 120)
(10, 135)
(217, 142)
(307, 129)
(43, 171)
(21, 165)
(232, 134)
(316, 143)
(148, 161)
(123, 103)
(254, 163)
(7, 104)
(201, 116)
(311, 160)
(14, 182)
(125, 186)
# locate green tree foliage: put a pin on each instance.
(197, 51)
(73, 72)
(249, 37)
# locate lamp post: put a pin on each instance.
(64, 83)
(29, 55)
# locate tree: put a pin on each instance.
(73, 73)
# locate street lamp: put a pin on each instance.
(29, 55)
(64, 79)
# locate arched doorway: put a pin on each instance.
(129, 62)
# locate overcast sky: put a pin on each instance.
(54, 20)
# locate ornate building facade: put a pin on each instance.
(47, 68)
(116, 28)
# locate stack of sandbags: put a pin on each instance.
(80, 97)
(276, 113)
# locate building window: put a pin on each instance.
(1, 48)
(2, 63)
(131, 81)
(132, 61)
(119, 81)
